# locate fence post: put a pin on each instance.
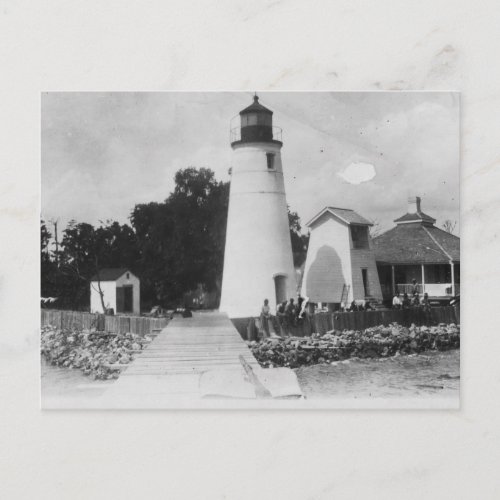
(250, 329)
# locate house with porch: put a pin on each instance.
(415, 249)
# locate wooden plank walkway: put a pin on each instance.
(168, 371)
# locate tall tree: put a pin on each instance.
(48, 268)
(44, 240)
(86, 251)
(375, 230)
(182, 240)
(299, 241)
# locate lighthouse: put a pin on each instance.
(258, 262)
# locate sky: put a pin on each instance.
(103, 153)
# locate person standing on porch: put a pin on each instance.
(414, 287)
(425, 301)
(406, 301)
(396, 302)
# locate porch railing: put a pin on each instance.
(433, 289)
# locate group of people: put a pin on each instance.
(407, 301)
(288, 313)
(359, 305)
(404, 301)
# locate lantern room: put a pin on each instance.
(256, 125)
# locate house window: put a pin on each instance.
(359, 235)
(270, 160)
(128, 276)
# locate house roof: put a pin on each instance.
(109, 274)
(416, 217)
(416, 243)
(346, 215)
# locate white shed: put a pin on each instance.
(121, 291)
(340, 265)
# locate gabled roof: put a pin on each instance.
(416, 244)
(110, 274)
(255, 106)
(346, 215)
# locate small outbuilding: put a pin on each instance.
(120, 288)
(340, 265)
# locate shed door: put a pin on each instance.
(128, 298)
(120, 299)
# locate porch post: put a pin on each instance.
(452, 278)
(423, 280)
(393, 280)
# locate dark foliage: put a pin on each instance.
(174, 247)
(300, 241)
(181, 241)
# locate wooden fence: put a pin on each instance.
(359, 320)
(73, 320)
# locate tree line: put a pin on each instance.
(173, 246)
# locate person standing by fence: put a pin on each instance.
(290, 314)
(302, 311)
(298, 308)
(265, 317)
(281, 316)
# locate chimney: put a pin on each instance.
(414, 204)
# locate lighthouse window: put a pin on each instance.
(264, 119)
(247, 120)
(270, 160)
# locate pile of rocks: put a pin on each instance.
(376, 342)
(100, 355)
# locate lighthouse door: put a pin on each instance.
(280, 288)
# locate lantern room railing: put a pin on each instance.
(235, 134)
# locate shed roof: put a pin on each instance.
(110, 274)
(346, 215)
(416, 243)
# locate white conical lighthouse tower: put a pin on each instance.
(258, 262)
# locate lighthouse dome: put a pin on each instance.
(256, 124)
(255, 108)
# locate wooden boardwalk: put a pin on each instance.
(167, 373)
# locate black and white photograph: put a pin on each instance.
(250, 250)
